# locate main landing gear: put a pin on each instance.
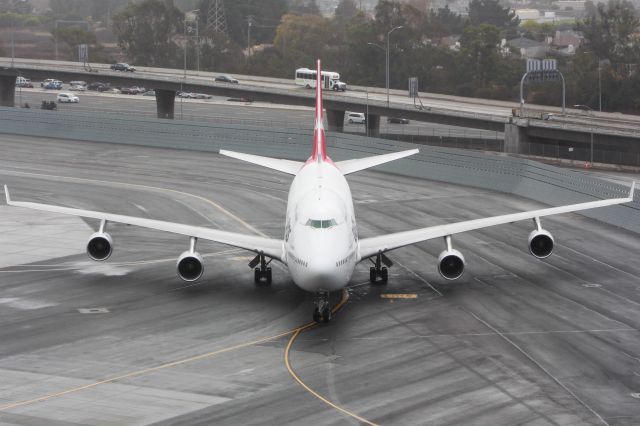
(262, 272)
(379, 271)
(322, 311)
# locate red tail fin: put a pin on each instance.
(319, 139)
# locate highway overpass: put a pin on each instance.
(535, 125)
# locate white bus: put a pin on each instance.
(330, 80)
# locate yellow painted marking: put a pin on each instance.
(398, 296)
(147, 370)
(345, 297)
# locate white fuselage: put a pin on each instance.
(321, 239)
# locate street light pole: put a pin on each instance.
(388, 36)
(185, 49)
(599, 87)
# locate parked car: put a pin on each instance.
(98, 87)
(23, 82)
(339, 86)
(186, 95)
(200, 96)
(225, 78)
(356, 118)
(149, 93)
(121, 66)
(111, 90)
(45, 82)
(397, 120)
(68, 98)
(77, 88)
(78, 83)
(133, 90)
(53, 85)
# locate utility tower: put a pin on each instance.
(216, 19)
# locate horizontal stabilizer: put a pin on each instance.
(351, 166)
(285, 166)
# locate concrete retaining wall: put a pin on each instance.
(540, 182)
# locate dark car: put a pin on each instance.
(226, 79)
(133, 90)
(121, 66)
(98, 87)
(398, 120)
(200, 96)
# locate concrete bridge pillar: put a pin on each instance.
(165, 102)
(335, 120)
(514, 138)
(373, 126)
(7, 90)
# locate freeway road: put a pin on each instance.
(219, 109)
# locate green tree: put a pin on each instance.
(302, 39)
(478, 48)
(444, 22)
(491, 12)
(72, 37)
(146, 32)
(610, 32)
(345, 12)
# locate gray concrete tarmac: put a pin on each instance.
(515, 341)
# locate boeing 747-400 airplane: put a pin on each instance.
(320, 245)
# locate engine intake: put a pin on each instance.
(451, 264)
(540, 243)
(100, 246)
(190, 266)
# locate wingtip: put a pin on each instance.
(632, 190)
(6, 194)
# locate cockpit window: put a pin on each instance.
(321, 224)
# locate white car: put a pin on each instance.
(78, 88)
(356, 118)
(67, 98)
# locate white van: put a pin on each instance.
(356, 118)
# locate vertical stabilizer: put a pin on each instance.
(319, 140)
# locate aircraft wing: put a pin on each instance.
(270, 247)
(285, 166)
(372, 246)
(355, 165)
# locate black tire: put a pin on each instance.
(316, 315)
(372, 275)
(268, 276)
(256, 275)
(326, 314)
(385, 275)
(350, 121)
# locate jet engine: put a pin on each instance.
(540, 243)
(100, 246)
(451, 264)
(190, 266)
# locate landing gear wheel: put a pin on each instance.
(261, 272)
(384, 275)
(322, 311)
(326, 314)
(379, 271)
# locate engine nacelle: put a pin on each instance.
(100, 246)
(451, 264)
(190, 266)
(540, 243)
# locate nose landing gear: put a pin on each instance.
(263, 272)
(322, 311)
(379, 271)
